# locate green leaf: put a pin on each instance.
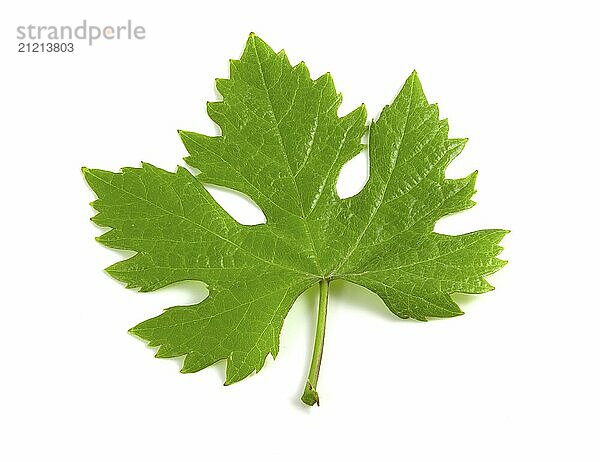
(283, 144)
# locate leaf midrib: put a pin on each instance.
(287, 162)
(235, 244)
(382, 196)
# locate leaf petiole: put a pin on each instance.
(310, 395)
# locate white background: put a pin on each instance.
(515, 379)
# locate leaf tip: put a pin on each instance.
(500, 233)
(255, 41)
(230, 379)
(136, 331)
(183, 135)
(87, 174)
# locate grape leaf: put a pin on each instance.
(283, 144)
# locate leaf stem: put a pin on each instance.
(310, 395)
